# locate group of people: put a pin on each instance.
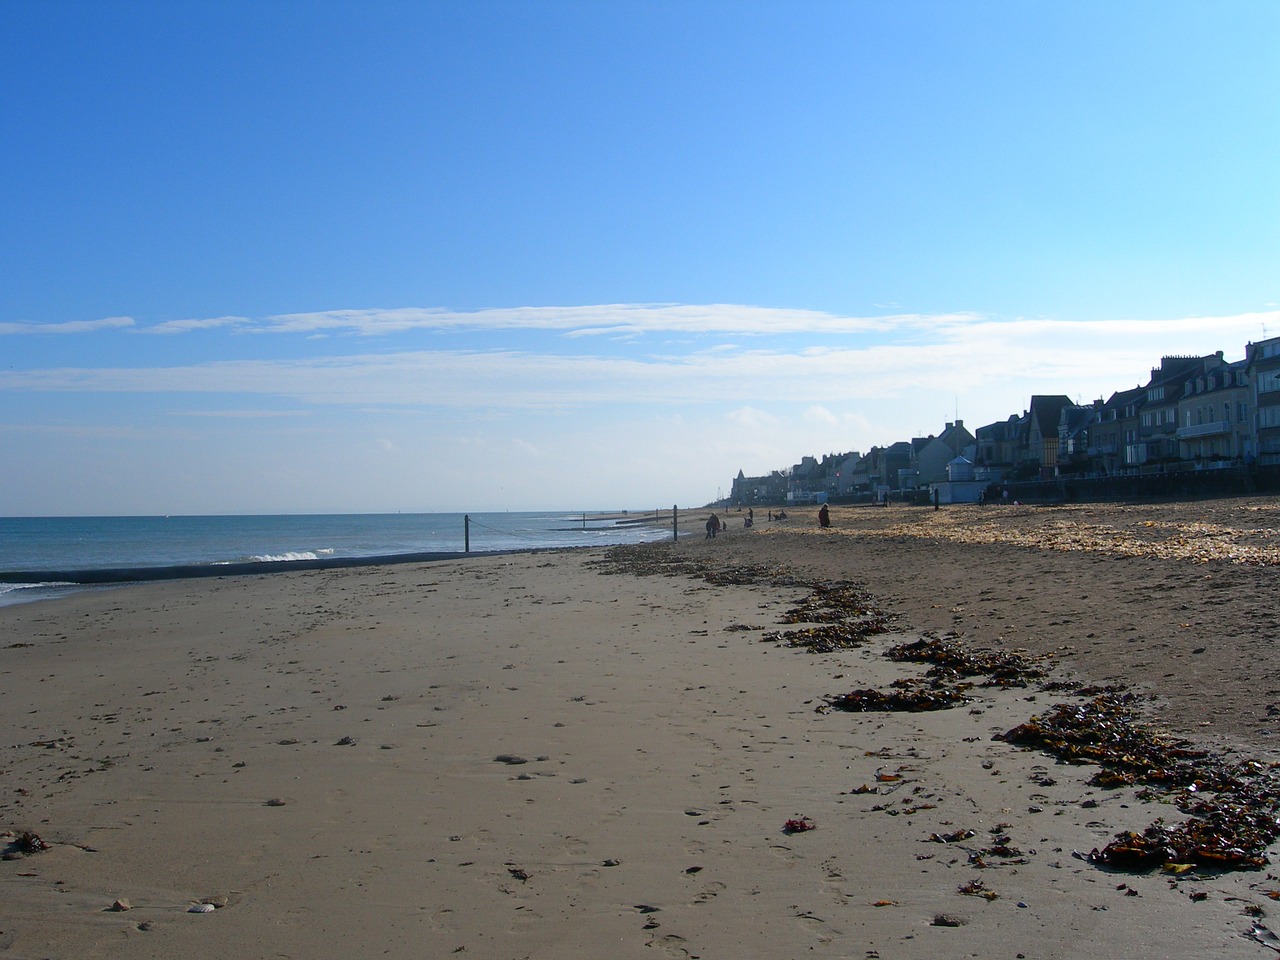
(715, 524)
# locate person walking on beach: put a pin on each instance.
(713, 526)
(824, 517)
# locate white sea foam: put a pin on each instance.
(11, 593)
(291, 555)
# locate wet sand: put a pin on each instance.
(317, 753)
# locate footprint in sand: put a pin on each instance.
(816, 927)
(670, 945)
(709, 892)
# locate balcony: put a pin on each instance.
(1204, 430)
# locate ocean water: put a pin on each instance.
(35, 550)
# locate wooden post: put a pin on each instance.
(675, 522)
(466, 533)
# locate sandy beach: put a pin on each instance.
(587, 753)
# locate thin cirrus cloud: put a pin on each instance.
(813, 358)
(597, 320)
(26, 327)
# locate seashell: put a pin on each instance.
(201, 908)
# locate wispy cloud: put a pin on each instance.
(70, 326)
(188, 326)
(599, 320)
(900, 359)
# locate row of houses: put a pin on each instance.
(1193, 414)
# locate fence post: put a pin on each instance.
(675, 522)
(466, 533)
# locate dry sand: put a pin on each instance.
(316, 753)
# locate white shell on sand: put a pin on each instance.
(201, 908)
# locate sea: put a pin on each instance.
(44, 557)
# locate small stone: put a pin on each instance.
(346, 742)
(509, 758)
(275, 802)
(121, 905)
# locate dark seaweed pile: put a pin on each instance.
(1231, 806)
(950, 657)
(906, 696)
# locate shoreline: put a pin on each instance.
(189, 571)
(536, 754)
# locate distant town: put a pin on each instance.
(1201, 425)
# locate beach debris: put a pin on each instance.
(945, 685)
(120, 905)
(954, 836)
(798, 825)
(201, 908)
(28, 843)
(509, 758)
(948, 920)
(951, 658)
(833, 602)
(1193, 541)
(976, 888)
(908, 696)
(1262, 934)
(276, 802)
(1232, 806)
(826, 638)
(647, 908)
(519, 873)
(346, 742)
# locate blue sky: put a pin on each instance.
(296, 257)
